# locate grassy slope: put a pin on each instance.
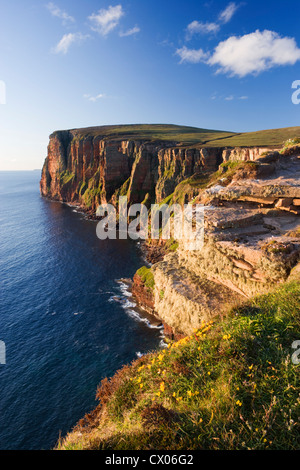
(231, 385)
(155, 132)
(191, 135)
(268, 138)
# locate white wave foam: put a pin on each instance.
(129, 306)
(139, 354)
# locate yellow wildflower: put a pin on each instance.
(226, 336)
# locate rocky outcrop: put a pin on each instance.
(251, 245)
(273, 181)
(243, 154)
(143, 295)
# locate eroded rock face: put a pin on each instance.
(86, 171)
(252, 244)
(89, 170)
(243, 154)
(276, 182)
(143, 295)
(92, 170)
(178, 164)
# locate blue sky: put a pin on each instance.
(213, 64)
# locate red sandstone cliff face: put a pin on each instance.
(92, 170)
(85, 171)
(178, 164)
(143, 295)
(88, 169)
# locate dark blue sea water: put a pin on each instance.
(61, 325)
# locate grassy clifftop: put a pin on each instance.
(189, 135)
(266, 138)
(153, 132)
(230, 385)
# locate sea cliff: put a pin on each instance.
(252, 205)
(93, 166)
(230, 311)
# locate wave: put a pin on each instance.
(126, 302)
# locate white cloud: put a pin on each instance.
(226, 15)
(106, 20)
(67, 40)
(254, 53)
(193, 56)
(130, 32)
(56, 11)
(229, 98)
(243, 97)
(94, 98)
(196, 27)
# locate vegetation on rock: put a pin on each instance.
(229, 385)
(147, 277)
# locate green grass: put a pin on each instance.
(152, 132)
(147, 277)
(189, 136)
(66, 177)
(231, 385)
(171, 245)
(266, 138)
(188, 189)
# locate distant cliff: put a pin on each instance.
(89, 168)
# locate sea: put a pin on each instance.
(67, 320)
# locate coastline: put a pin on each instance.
(151, 254)
(136, 310)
